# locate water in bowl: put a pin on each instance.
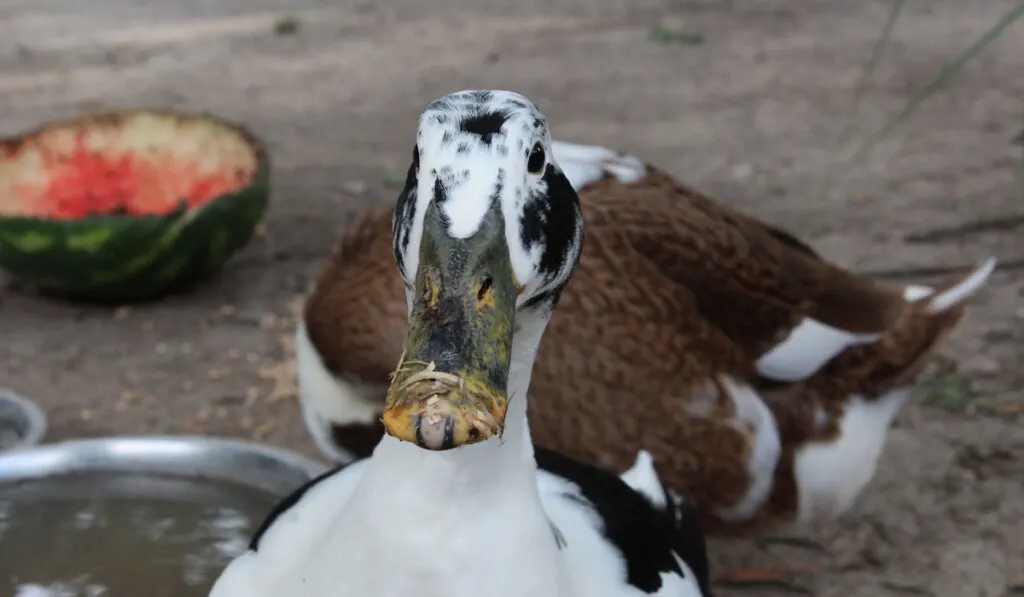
(118, 535)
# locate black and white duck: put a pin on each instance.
(455, 499)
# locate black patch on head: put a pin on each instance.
(552, 222)
(647, 537)
(499, 186)
(548, 298)
(448, 179)
(440, 193)
(440, 197)
(401, 222)
(287, 503)
(485, 124)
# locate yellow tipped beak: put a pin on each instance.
(450, 387)
(439, 411)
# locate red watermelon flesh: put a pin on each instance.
(116, 168)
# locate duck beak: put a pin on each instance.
(450, 387)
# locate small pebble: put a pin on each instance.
(218, 373)
(742, 171)
(355, 187)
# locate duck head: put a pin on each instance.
(487, 229)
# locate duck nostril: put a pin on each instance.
(486, 283)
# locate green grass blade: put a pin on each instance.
(940, 80)
(867, 73)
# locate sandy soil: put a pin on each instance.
(744, 100)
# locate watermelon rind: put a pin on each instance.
(125, 258)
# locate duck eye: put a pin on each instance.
(537, 159)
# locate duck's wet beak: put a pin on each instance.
(450, 387)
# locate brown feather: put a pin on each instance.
(356, 315)
(673, 292)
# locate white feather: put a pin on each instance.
(916, 292)
(753, 417)
(327, 399)
(302, 552)
(643, 479)
(962, 291)
(809, 346)
(586, 164)
(812, 343)
(830, 475)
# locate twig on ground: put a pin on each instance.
(996, 224)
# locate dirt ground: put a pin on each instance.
(744, 100)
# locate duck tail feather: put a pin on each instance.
(899, 355)
(962, 290)
(587, 164)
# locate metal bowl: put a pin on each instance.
(157, 516)
(269, 470)
(22, 422)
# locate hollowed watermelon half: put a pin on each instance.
(130, 205)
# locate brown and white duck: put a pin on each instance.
(762, 378)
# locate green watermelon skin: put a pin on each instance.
(120, 259)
